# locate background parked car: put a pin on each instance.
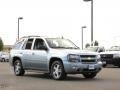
(111, 56)
(0, 55)
(4, 57)
(96, 49)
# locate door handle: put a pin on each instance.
(33, 53)
(21, 53)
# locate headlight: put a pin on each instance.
(98, 58)
(73, 58)
(116, 56)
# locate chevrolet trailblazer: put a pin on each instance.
(55, 56)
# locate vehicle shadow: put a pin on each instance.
(111, 66)
(43, 76)
(68, 78)
(80, 78)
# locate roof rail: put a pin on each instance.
(33, 36)
(30, 36)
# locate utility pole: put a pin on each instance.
(91, 19)
(20, 18)
(82, 34)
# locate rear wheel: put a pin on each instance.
(18, 69)
(3, 60)
(57, 70)
(89, 75)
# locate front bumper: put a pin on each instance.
(79, 68)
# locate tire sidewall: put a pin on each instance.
(21, 68)
(62, 75)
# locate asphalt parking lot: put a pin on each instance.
(107, 79)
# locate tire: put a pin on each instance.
(57, 71)
(119, 66)
(104, 65)
(3, 59)
(18, 69)
(89, 75)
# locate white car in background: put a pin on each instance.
(0, 55)
(98, 49)
(4, 56)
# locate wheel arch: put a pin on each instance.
(54, 59)
(15, 58)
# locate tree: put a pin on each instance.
(62, 37)
(96, 43)
(1, 44)
(87, 45)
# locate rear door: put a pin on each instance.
(27, 54)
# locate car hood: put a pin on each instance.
(73, 51)
(110, 52)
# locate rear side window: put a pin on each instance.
(29, 44)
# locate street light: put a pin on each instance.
(82, 35)
(20, 18)
(91, 19)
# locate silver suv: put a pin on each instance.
(55, 56)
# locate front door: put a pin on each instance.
(39, 55)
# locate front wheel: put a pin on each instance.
(89, 75)
(18, 69)
(119, 66)
(104, 65)
(57, 70)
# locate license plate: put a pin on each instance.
(91, 67)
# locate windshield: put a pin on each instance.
(94, 49)
(115, 48)
(61, 43)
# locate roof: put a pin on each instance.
(30, 36)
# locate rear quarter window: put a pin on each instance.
(18, 44)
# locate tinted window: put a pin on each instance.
(29, 44)
(39, 43)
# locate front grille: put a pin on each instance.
(93, 60)
(88, 58)
(106, 56)
(85, 56)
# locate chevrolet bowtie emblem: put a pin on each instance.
(89, 58)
